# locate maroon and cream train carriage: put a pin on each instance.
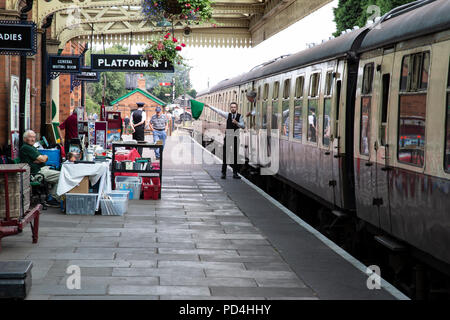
(364, 123)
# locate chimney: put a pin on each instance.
(141, 82)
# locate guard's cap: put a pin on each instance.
(158, 109)
(140, 104)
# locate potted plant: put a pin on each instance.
(166, 48)
(197, 11)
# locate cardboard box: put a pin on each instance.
(83, 187)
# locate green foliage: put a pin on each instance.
(91, 106)
(350, 13)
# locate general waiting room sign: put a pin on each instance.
(127, 63)
(18, 38)
(64, 64)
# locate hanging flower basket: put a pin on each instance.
(165, 49)
(197, 11)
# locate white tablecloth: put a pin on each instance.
(72, 174)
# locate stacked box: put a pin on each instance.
(18, 188)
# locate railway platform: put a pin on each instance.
(207, 238)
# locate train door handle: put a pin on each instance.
(369, 164)
(327, 153)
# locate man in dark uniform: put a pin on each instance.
(234, 122)
(137, 123)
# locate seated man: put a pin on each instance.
(29, 154)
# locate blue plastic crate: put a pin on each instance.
(54, 157)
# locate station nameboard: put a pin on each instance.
(87, 75)
(18, 37)
(127, 63)
(64, 64)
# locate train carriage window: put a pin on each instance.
(386, 82)
(265, 104)
(326, 127)
(367, 79)
(313, 104)
(314, 85)
(447, 136)
(275, 108)
(258, 109)
(285, 119)
(366, 104)
(447, 131)
(412, 109)
(298, 104)
(299, 86)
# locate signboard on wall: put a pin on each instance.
(127, 63)
(87, 75)
(64, 64)
(14, 103)
(14, 144)
(27, 104)
(18, 37)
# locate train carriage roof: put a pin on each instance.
(334, 48)
(428, 18)
(406, 22)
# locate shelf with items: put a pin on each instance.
(154, 173)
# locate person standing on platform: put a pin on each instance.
(137, 124)
(235, 121)
(158, 125)
(70, 125)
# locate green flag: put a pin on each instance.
(196, 108)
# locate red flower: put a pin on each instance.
(178, 48)
(174, 39)
(183, 45)
(167, 35)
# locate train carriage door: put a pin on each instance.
(328, 176)
(364, 165)
(383, 79)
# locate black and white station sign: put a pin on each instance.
(64, 64)
(127, 63)
(17, 37)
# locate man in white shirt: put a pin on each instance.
(235, 121)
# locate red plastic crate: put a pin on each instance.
(151, 192)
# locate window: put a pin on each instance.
(313, 104)
(299, 83)
(285, 119)
(328, 83)
(412, 108)
(338, 105)
(447, 139)
(276, 90)
(414, 74)
(312, 120)
(275, 107)
(384, 108)
(326, 126)
(314, 85)
(298, 104)
(366, 104)
(367, 79)
(266, 92)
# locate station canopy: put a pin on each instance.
(237, 23)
